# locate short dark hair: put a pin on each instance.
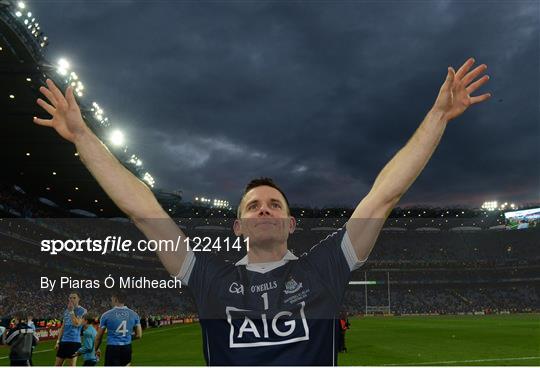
(19, 315)
(120, 295)
(259, 182)
(90, 318)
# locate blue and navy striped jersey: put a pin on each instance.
(283, 314)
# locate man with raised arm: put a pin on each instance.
(271, 307)
(69, 335)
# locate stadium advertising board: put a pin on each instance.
(523, 219)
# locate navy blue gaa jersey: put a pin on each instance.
(277, 313)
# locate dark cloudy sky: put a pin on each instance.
(318, 95)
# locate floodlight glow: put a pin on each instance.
(21, 5)
(117, 138)
(149, 179)
(490, 205)
(63, 63)
(63, 66)
(18, 13)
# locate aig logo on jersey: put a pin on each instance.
(252, 328)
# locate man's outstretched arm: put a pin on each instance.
(398, 175)
(129, 193)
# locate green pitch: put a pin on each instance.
(450, 340)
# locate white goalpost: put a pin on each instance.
(372, 309)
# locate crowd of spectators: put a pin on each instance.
(445, 299)
(429, 271)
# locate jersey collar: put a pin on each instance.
(264, 267)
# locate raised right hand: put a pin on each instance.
(66, 115)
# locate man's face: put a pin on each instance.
(74, 298)
(264, 217)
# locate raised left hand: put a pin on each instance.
(455, 93)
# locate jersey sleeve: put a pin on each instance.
(80, 312)
(136, 319)
(103, 320)
(199, 272)
(333, 259)
(10, 335)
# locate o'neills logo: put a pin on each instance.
(292, 286)
(264, 287)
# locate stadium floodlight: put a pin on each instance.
(78, 87)
(21, 5)
(18, 13)
(11, 96)
(29, 15)
(117, 138)
(63, 66)
(490, 205)
(149, 179)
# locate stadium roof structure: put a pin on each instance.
(35, 158)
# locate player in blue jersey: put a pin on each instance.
(69, 335)
(119, 322)
(271, 307)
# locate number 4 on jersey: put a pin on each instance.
(122, 328)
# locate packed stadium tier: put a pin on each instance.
(408, 272)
